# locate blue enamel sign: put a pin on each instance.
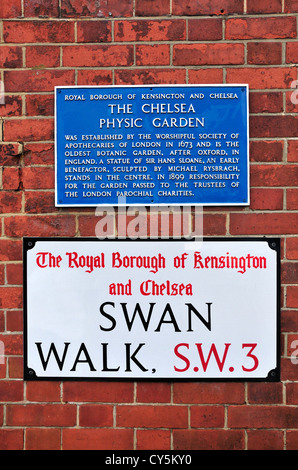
(152, 145)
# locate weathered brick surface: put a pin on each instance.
(45, 43)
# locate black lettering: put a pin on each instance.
(60, 362)
(88, 360)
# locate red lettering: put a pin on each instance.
(46, 259)
(41, 259)
(178, 354)
(213, 350)
(252, 356)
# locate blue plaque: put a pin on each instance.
(152, 145)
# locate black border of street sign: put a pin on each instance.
(273, 375)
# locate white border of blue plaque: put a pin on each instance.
(152, 145)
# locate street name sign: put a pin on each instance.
(154, 310)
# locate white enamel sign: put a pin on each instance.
(173, 310)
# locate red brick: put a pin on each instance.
(292, 436)
(205, 393)
(37, 80)
(212, 75)
(263, 224)
(291, 6)
(265, 440)
(266, 151)
(207, 7)
(146, 416)
(41, 415)
(208, 439)
(14, 274)
(2, 278)
(11, 56)
(2, 321)
(43, 439)
(8, 152)
(153, 439)
(39, 105)
(98, 392)
(90, 225)
(12, 107)
(265, 393)
(289, 371)
(292, 101)
(10, 250)
(38, 31)
(38, 178)
(274, 175)
(95, 77)
(94, 31)
(96, 415)
(11, 297)
(264, 53)
(149, 8)
(11, 390)
(43, 391)
(95, 9)
(261, 28)
(270, 417)
(10, 202)
(208, 54)
(204, 29)
(15, 367)
(97, 439)
(292, 297)
(10, 8)
(39, 202)
(289, 320)
(13, 343)
(214, 224)
(40, 8)
(266, 6)
(38, 154)
(266, 199)
(207, 416)
(292, 248)
(293, 151)
(14, 320)
(274, 126)
(29, 129)
(11, 439)
(292, 199)
(148, 76)
(291, 393)
(98, 56)
(292, 352)
(153, 392)
(262, 77)
(42, 56)
(154, 30)
(41, 226)
(291, 52)
(11, 178)
(265, 102)
(156, 54)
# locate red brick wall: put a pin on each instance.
(44, 43)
